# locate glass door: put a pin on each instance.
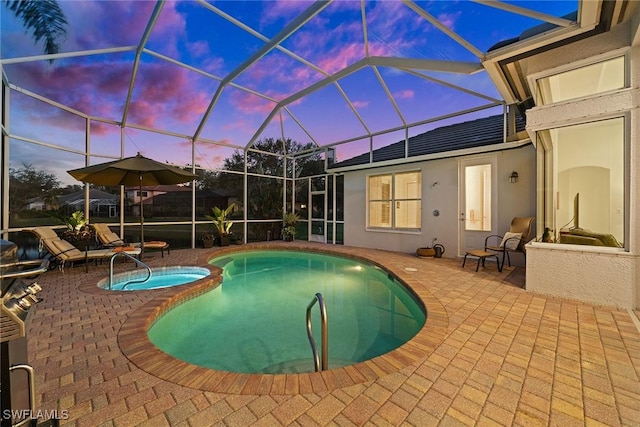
(318, 211)
(476, 201)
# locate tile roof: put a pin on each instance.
(471, 134)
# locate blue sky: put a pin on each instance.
(172, 96)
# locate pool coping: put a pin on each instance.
(136, 346)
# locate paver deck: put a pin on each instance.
(490, 354)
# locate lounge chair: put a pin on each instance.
(63, 251)
(109, 239)
(520, 232)
(106, 237)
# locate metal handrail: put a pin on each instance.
(325, 338)
(43, 266)
(136, 260)
(31, 392)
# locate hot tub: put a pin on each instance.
(163, 277)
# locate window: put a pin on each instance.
(585, 81)
(395, 201)
(585, 192)
(585, 161)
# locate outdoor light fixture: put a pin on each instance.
(513, 178)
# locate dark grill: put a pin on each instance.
(18, 297)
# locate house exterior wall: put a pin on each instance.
(513, 200)
(603, 276)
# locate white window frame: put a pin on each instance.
(551, 179)
(393, 200)
(545, 175)
(622, 52)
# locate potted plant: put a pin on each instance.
(207, 240)
(221, 223)
(289, 226)
(78, 231)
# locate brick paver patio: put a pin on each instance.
(496, 356)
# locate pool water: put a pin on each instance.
(160, 278)
(255, 322)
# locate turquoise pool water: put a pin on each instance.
(160, 278)
(255, 322)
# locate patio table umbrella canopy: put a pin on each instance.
(131, 171)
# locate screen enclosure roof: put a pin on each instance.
(233, 72)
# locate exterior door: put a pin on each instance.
(318, 231)
(477, 202)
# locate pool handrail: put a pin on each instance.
(324, 332)
(136, 260)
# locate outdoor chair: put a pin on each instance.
(64, 252)
(520, 232)
(106, 237)
(109, 239)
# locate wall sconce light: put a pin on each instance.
(513, 178)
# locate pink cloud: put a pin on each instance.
(199, 48)
(92, 24)
(377, 48)
(391, 19)
(99, 24)
(167, 93)
(82, 86)
(213, 65)
(404, 94)
(393, 28)
(345, 56)
(250, 104)
(185, 143)
(170, 29)
(449, 19)
(276, 10)
(334, 45)
(360, 104)
(102, 129)
(163, 93)
(278, 76)
(211, 155)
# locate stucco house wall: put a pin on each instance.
(600, 275)
(440, 192)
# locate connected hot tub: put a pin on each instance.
(160, 278)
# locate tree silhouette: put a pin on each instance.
(264, 193)
(27, 183)
(44, 18)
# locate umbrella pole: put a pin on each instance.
(141, 220)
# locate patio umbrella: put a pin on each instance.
(131, 171)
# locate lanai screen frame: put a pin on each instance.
(409, 65)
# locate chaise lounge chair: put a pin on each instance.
(106, 237)
(109, 239)
(63, 251)
(520, 232)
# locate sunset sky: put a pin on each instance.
(170, 95)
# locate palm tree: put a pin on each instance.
(44, 18)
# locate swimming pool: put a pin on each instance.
(160, 278)
(255, 321)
